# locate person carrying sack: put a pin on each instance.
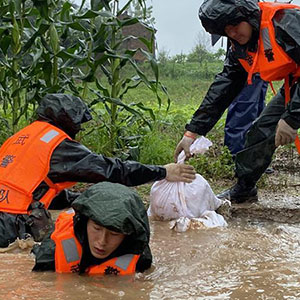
(265, 39)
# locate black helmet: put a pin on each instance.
(216, 14)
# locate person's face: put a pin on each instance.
(241, 32)
(102, 242)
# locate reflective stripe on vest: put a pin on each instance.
(68, 252)
(270, 60)
(25, 163)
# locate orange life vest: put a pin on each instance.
(68, 252)
(25, 163)
(270, 60)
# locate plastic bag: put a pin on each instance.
(175, 200)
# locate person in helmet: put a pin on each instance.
(264, 39)
(106, 233)
(41, 160)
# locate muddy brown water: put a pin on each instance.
(246, 260)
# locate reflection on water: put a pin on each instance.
(243, 261)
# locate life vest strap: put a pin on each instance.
(272, 87)
(50, 183)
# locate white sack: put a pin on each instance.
(174, 200)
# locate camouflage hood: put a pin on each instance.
(64, 111)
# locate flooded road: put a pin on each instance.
(243, 261)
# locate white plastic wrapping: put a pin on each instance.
(183, 202)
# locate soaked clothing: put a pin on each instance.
(270, 60)
(260, 141)
(68, 252)
(71, 161)
(113, 206)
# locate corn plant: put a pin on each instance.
(30, 54)
(108, 61)
(49, 46)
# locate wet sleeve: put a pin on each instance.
(71, 161)
(144, 261)
(44, 256)
(292, 112)
(226, 86)
(287, 32)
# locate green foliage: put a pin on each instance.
(179, 58)
(220, 54)
(270, 94)
(53, 46)
(200, 54)
(191, 70)
(163, 56)
(5, 131)
(138, 10)
(216, 164)
(157, 147)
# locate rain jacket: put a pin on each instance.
(215, 15)
(114, 206)
(71, 161)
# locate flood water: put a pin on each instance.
(243, 261)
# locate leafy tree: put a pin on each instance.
(220, 54)
(179, 58)
(163, 56)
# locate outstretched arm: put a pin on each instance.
(226, 86)
(71, 161)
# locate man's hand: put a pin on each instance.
(285, 134)
(185, 143)
(180, 172)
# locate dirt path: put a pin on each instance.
(279, 193)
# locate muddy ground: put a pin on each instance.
(279, 192)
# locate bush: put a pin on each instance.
(216, 164)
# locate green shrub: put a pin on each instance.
(215, 164)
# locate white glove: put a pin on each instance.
(285, 134)
(185, 144)
(180, 172)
